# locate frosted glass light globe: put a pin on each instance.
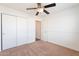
(40, 9)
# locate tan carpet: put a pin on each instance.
(39, 48)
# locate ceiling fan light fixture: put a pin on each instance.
(40, 10)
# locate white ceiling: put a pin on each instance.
(22, 7)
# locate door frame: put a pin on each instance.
(40, 28)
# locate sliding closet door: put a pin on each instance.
(31, 30)
(0, 32)
(9, 31)
(22, 31)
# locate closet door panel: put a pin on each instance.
(0, 32)
(9, 31)
(31, 30)
(21, 31)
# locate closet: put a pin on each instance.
(31, 30)
(0, 32)
(21, 31)
(8, 31)
(16, 31)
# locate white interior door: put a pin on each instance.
(0, 32)
(22, 31)
(9, 31)
(31, 30)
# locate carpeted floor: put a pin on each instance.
(39, 48)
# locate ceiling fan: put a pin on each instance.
(41, 8)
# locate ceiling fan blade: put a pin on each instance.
(37, 13)
(46, 12)
(50, 5)
(30, 8)
(39, 5)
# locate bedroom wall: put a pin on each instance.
(62, 28)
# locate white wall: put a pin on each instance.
(62, 28)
